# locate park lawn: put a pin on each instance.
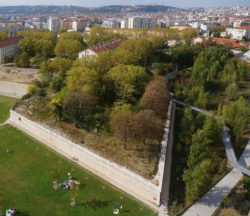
(26, 185)
(6, 103)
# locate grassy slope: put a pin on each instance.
(26, 185)
(5, 105)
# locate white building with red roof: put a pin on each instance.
(239, 33)
(95, 50)
(9, 47)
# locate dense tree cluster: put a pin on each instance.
(215, 31)
(69, 45)
(100, 35)
(237, 116)
(111, 92)
(200, 136)
(4, 35)
(214, 70)
(38, 45)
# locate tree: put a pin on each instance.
(198, 149)
(188, 35)
(231, 91)
(237, 116)
(4, 35)
(243, 70)
(78, 107)
(83, 79)
(141, 47)
(28, 46)
(61, 66)
(126, 57)
(156, 97)
(22, 60)
(196, 180)
(157, 41)
(187, 126)
(46, 71)
(184, 55)
(225, 201)
(6, 59)
(121, 124)
(129, 81)
(213, 130)
(71, 36)
(44, 48)
(68, 48)
(146, 125)
(217, 30)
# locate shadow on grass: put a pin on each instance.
(22, 213)
(95, 204)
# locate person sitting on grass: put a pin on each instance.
(10, 212)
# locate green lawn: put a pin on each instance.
(25, 182)
(6, 104)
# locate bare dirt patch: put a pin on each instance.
(19, 75)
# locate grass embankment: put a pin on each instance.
(26, 183)
(6, 104)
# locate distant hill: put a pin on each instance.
(49, 9)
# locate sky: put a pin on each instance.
(94, 3)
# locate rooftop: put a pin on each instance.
(10, 41)
(108, 45)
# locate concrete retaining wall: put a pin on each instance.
(119, 176)
(115, 174)
(13, 89)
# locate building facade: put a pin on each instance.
(95, 50)
(80, 25)
(239, 33)
(54, 24)
(141, 22)
(9, 47)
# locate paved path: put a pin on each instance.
(6, 122)
(12, 89)
(226, 140)
(211, 200)
(172, 74)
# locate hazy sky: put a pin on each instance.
(90, 3)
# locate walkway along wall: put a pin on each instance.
(13, 89)
(113, 173)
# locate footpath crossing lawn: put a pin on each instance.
(26, 167)
(6, 104)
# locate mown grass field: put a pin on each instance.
(6, 104)
(26, 182)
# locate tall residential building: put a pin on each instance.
(54, 24)
(141, 22)
(80, 25)
(124, 24)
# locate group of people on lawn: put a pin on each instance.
(67, 184)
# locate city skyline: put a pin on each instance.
(96, 3)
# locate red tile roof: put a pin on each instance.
(234, 43)
(108, 45)
(244, 27)
(10, 41)
(224, 40)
